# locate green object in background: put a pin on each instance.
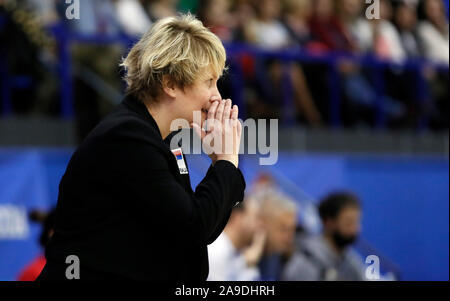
(185, 6)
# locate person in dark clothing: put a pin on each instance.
(329, 256)
(126, 208)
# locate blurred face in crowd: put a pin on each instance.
(217, 13)
(345, 227)
(323, 9)
(385, 10)
(434, 10)
(243, 12)
(280, 229)
(269, 9)
(406, 17)
(350, 8)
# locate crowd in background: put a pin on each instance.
(262, 240)
(407, 30)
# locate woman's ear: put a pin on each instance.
(168, 86)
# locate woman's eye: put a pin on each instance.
(210, 82)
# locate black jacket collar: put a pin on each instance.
(137, 106)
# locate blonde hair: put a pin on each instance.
(179, 47)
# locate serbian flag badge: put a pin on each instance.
(178, 153)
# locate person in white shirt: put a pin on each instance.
(132, 17)
(387, 43)
(266, 31)
(236, 252)
(434, 31)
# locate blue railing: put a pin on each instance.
(65, 38)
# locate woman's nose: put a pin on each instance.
(216, 97)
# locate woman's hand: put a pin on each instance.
(221, 137)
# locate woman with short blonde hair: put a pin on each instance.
(179, 47)
(125, 208)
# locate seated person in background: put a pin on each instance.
(405, 19)
(350, 16)
(132, 17)
(216, 15)
(327, 30)
(236, 252)
(387, 43)
(296, 17)
(328, 256)
(267, 31)
(279, 220)
(434, 31)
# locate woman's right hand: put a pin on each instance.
(222, 137)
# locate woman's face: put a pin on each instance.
(199, 97)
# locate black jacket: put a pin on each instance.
(126, 211)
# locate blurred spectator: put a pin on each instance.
(296, 17)
(327, 30)
(47, 220)
(361, 97)
(270, 86)
(387, 44)
(354, 25)
(336, 26)
(132, 17)
(405, 18)
(267, 32)
(244, 15)
(158, 9)
(215, 14)
(434, 31)
(279, 220)
(329, 256)
(236, 252)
